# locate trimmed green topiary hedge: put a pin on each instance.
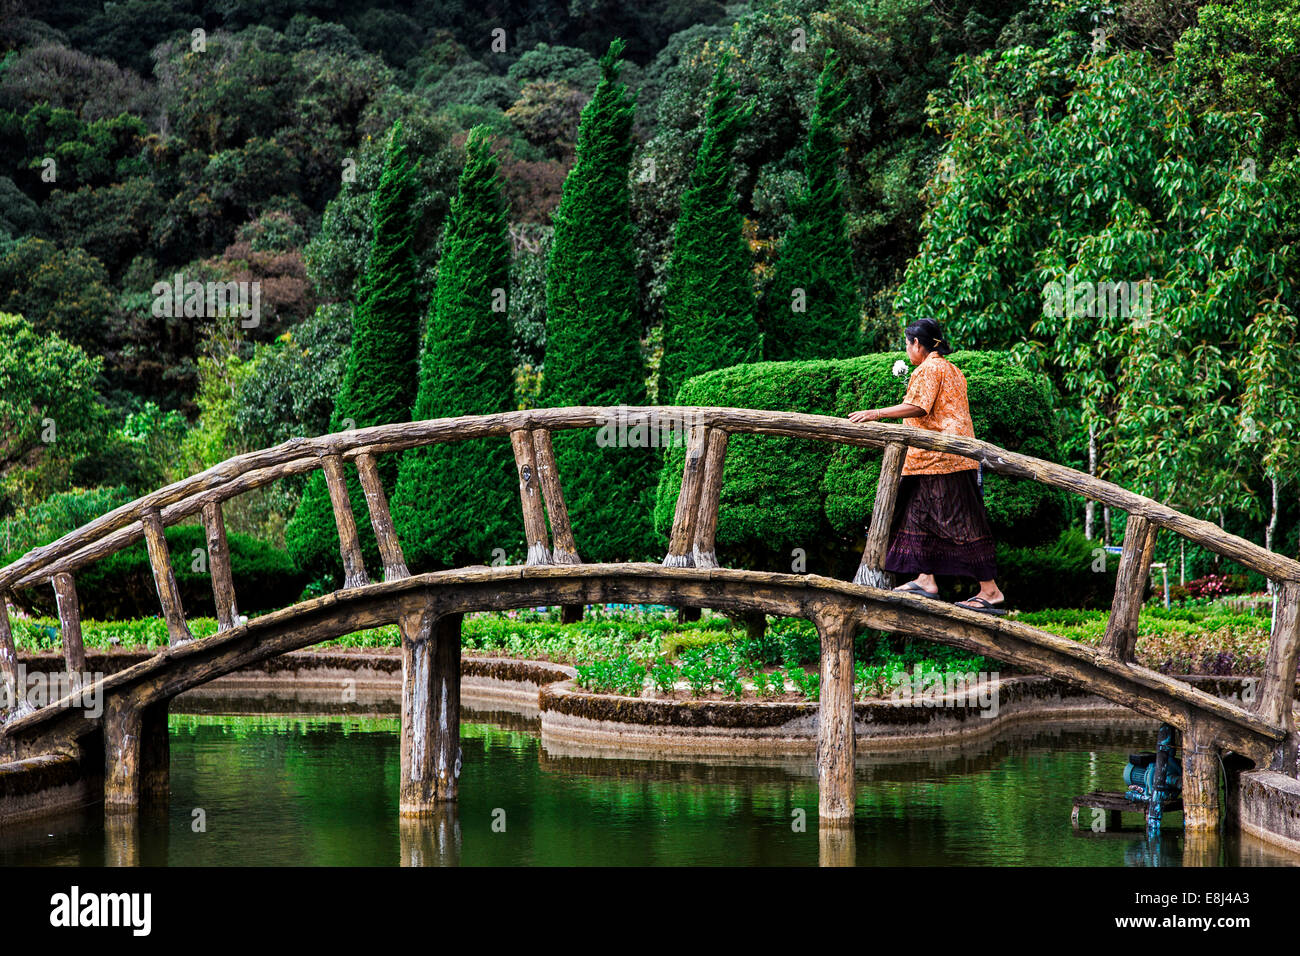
(121, 586)
(787, 498)
(1066, 572)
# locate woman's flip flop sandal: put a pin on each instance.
(911, 587)
(980, 605)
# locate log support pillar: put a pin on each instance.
(548, 476)
(1277, 691)
(430, 761)
(1200, 780)
(871, 570)
(835, 738)
(565, 550)
(137, 753)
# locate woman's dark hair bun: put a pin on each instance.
(928, 333)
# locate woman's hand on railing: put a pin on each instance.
(865, 415)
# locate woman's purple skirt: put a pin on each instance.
(940, 527)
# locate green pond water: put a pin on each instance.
(322, 790)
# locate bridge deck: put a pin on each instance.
(179, 667)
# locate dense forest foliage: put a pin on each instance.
(959, 159)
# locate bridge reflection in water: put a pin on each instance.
(308, 790)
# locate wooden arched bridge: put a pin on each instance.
(129, 738)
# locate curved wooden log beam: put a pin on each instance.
(180, 668)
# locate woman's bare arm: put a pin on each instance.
(894, 411)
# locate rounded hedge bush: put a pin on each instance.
(121, 586)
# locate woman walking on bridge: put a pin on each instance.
(939, 526)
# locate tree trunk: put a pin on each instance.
(1090, 506)
(1271, 530)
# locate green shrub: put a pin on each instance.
(783, 494)
(622, 675)
(56, 516)
(1059, 574)
(121, 586)
(675, 642)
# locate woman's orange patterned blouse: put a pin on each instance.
(939, 387)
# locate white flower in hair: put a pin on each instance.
(900, 367)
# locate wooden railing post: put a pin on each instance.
(871, 570)
(223, 582)
(1277, 692)
(680, 545)
(14, 695)
(381, 519)
(164, 578)
(704, 550)
(354, 565)
(65, 597)
(530, 496)
(566, 548)
(1130, 587)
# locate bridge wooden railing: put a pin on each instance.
(692, 540)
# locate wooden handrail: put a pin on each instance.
(121, 527)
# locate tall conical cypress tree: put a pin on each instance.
(379, 381)
(457, 502)
(709, 319)
(593, 330)
(811, 307)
